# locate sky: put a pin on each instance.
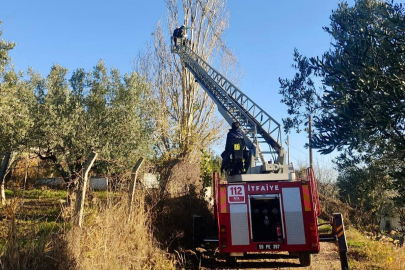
(262, 34)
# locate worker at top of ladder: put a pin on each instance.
(180, 34)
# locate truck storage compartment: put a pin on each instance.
(266, 220)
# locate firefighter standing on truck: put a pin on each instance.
(233, 156)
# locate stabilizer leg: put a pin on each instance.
(338, 229)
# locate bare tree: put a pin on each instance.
(324, 173)
(186, 121)
(326, 178)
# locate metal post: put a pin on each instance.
(310, 142)
(338, 229)
(215, 180)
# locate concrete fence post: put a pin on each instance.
(81, 190)
(3, 170)
(133, 186)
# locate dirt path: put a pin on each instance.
(327, 259)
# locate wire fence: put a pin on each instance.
(28, 170)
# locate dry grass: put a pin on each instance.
(173, 222)
(364, 253)
(34, 239)
(108, 241)
(330, 205)
(30, 241)
(34, 236)
(368, 254)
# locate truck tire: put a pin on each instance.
(305, 259)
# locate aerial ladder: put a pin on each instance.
(262, 133)
(265, 209)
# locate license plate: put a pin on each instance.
(268, 246)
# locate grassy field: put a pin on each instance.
(365, 253)
(369, 254)
(35, 230)
(36, 233)
(33, 210)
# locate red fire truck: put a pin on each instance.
(267, 216)
(262, 208)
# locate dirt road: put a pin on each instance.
(327, 259)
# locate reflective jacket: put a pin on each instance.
(232, 135)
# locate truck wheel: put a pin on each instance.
(305, 259)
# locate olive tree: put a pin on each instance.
(16, 99)
(99, 111)
(359, 109)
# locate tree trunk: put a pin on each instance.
(3, 170)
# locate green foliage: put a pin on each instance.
(62, 120)
(362, 98)
(368, 191)
(98, 111)
(5, 47)
(360, 108)
(325, 229)
(210, 163)
(40, 194)
(16, 99)
(355, 244)
(9, 192)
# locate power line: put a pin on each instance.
(307, 155)
(299, 150)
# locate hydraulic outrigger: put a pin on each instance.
(267, 209)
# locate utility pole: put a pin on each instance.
(310, 142)
(288, 149)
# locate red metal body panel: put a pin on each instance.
(265, 188)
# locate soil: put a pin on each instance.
(328, 258)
